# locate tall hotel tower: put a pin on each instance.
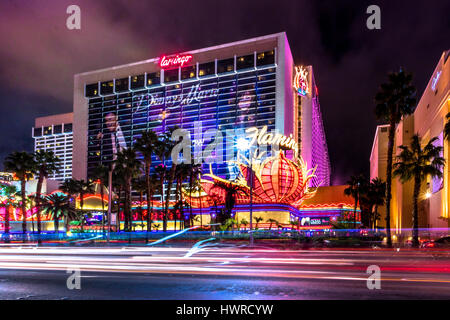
(226, 88)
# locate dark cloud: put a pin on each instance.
(39, 56)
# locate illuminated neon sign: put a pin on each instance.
(435, 80)
(178, 60)
(301, 81)
(262, 137)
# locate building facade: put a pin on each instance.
(55, 133)
(428, 121)
(216, 94)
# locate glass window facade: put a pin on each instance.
(227, 102)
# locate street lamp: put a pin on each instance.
(244, 145)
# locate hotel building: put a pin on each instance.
(217, 94)
(428, 121)
(227, 89)
(54, 133)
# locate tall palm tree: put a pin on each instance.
(72, 188)
(146, 145)
(46, 163)
(162, 151)
(395, 99)
(272, 221)
(355, 188)
(170, 144)
(417, 163)
(129, 167)
(140, 186)
(59, 207)
(258, 220)
(23, 165)
(377, 195)
(8, 192)
(101, 175)
(182, 174)
(195, 171)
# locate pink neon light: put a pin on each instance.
(178, 60)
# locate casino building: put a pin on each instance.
(218, 94)
(428, 121)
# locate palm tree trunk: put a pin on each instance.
(56, 222)
(24, 208)
(354, 212)
(103, 205)
(147, 185)
(81, 208)
(38, 205)
(375, 218)
(169, 187)
(389, 180)
(415, 221)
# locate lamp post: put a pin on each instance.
(244, 145)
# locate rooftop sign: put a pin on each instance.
(177, 61)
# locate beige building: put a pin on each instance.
(428, 120)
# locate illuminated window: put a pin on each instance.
(153, 79)
(137, 82)
(107, 87)
(206, 69)
(226, 65)
(91, 90)
(265, 58)
(121, 85)
(245, 62)
(47, 131)
(188, 72)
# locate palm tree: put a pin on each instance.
(140, 186)
(394, 100)
(101, 174)
(23, 165)
(162, 151)
(244, 223)
(377, 195)
(46, 163)
(272, 221)
(195, 171)
(415, 162)
(9, 192)
(71, 188)
(129, 167)
(59, 207)
(146, 145)
(169, 145)
(258, 220)
(355, 188)
(182, 173)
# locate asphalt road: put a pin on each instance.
(222, 272)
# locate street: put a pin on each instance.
(221, 272)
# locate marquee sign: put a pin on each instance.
(262, 137)
(301, 81)
(177, 61)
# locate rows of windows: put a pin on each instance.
(52, 130)
(61, 145)
(228, 102)
(195, 72)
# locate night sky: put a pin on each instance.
(39, 55)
